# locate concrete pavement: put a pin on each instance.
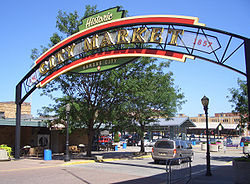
(220, 174)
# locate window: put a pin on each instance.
(164, 144)
(184, 145)
(178, 145)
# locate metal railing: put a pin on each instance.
(178, 170)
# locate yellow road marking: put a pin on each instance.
(20, 169)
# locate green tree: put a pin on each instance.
(239, 99)
(137, 91)
(151, 94)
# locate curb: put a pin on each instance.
(78, 162)
(105, 160)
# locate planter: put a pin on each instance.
(241, 172)
(4, 155)
(214, 147)
(246, 149)
(203, 147)
(220, 145)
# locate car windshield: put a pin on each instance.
(164, 144)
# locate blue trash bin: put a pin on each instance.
(194, 143)
(242, 144)
(47, 154)
(124, 146)
(116, 147)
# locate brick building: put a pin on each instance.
(8, 109)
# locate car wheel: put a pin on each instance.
(178, 161)
(192, 158)
(167, 162)
(156, 161)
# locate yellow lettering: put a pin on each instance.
(122, 36)
(107, 40)
(137, 35)
(175, 34)
(70, 50)
(91, 44)
(59, 56)
(156, 35)
(44, 67)
(52, 62)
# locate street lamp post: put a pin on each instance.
(205, 102)
(67, 158)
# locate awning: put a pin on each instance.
(211, 125)
(229, 126)
(181, 122)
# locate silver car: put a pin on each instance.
(165, 149)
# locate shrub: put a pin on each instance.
(243, 159)
(246, 143)
(116, 138)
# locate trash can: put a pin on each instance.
(47, 154)
(124, 146)
(194, 143)
(116, 147)
(241, 144)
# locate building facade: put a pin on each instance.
(220, 124)
(226, 118)
(8, 109)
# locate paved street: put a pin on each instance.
(123, 171)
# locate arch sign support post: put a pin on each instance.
(108, 40)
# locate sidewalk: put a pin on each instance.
(29, 163)
(220, 174)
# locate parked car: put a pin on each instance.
(132, 142)
(146, 143)
(244, 139)
(122, 141)
(165, 149)
(152, 142)
(104, 140)
(197, 141)
(189, 143)
(229, 141)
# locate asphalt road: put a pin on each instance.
(119, 171)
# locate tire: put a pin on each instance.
(156, 161)
(192, 158)
(178, 162)
(167, 162)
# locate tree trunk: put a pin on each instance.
(90, 141)
(142, 139)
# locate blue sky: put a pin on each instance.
(28, 24)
